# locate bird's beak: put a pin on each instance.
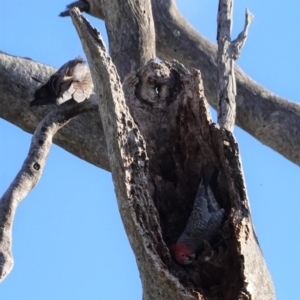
(191, 257)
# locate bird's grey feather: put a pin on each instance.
(72, 81)
(205, 220)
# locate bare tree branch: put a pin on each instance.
(83, 137)
(272, 120)
(129, 165)
(172, 102)
(238, 43)
(269, 118)
(30, 174)
(228, 52)
(134, 45)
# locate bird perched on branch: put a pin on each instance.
(205, 223)
(72, 81)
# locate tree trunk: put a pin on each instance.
(272, 120)
(159, 150)
(156, 136)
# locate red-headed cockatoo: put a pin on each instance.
(205, 222)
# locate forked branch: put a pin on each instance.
(228, 52)
(271, 119)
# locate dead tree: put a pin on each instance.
(160, 142)
(272, 120)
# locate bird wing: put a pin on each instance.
(76, 82)
(84, 88)
(205, 219)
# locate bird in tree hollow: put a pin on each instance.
(204, 224)
(72, 81)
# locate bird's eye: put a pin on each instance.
(182, 255)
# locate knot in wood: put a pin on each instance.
(36, 166)
(159, 84)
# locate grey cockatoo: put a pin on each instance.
(72, 81)
(204, 223)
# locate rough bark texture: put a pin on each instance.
(269, 118)
(159, 149)
(183, 144)
(228, 52)
(30, 174)
(272, 120)
(157, 159)
(131, 34)
(130, 170)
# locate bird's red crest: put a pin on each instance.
(181, 252)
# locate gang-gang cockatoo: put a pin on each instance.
(205, 222)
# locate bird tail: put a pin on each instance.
(205, 193)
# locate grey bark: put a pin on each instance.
(131, 34)
(83, 136)
(130, 168)
(269, 118)
(156, 185)
(228, 52)
(272, 120)
(30, 174)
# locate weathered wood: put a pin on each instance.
(158, 157)
(273, 120)
(183, 143)
(157, 167)
(130, 30)
(17, 88)
(130, 169)
(30, 174)
(228, 52)
(270, 119)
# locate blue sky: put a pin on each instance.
(68, 239)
